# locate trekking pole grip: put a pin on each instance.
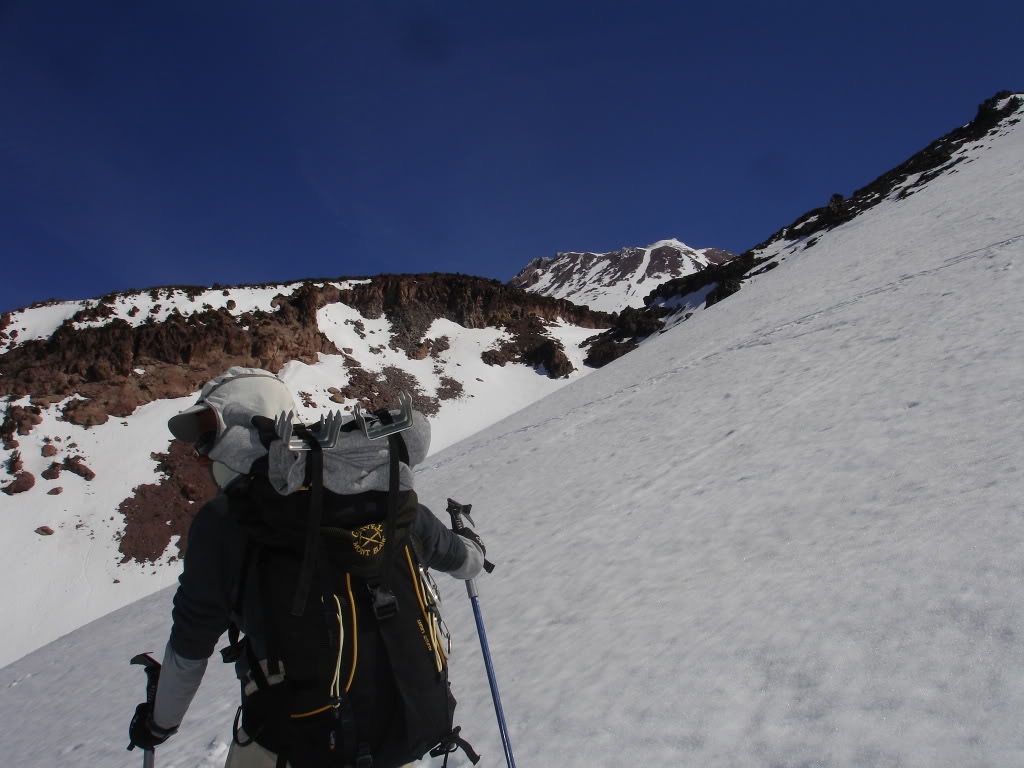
(152, 669)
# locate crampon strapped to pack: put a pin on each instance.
(351, 669)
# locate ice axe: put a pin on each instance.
(457, 512)
(152, 668)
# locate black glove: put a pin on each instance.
(143, 732)
(470, 534)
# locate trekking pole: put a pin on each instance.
(457, 512)
(152, 667)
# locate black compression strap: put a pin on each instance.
(316, 509)
(396, 445)
(270, 627)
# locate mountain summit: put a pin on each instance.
(610, 282)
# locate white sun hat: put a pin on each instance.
(235, 397)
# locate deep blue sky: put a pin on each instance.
(212, 141)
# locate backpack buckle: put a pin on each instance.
(385, 604)
(232, 653)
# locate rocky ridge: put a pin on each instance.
(96, 365)
(122, 351)
(718, 281)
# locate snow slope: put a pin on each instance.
(787, 532)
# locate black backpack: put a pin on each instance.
(355, 673)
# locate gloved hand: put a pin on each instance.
(143, 732)
(470, 534)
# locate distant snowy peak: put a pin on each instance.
(610, 282)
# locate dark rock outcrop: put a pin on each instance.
(412, 302)
(630, 328)
(14, 464)
(180, 353)
(18, 420)
(76, 466)
(178, 356)
(532, 346)
(22, 482)
(155, 512)
(98, 368)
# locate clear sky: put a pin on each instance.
(193, 142)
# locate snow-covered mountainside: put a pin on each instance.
(786, 532)
(677, 300)
(610, 282)
(96, 497)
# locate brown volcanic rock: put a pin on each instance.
(157, 511)
(178, 355)
(630, 328)
(181, 353)
(413, 302)
(381, 390)
(23, 481)
(532, 346)
(19, 420)
(76, 466)
(14, 463)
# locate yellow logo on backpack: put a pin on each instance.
(368, 540)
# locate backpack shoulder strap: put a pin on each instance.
(316, 511)
(385, 604)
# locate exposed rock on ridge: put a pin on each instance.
(413, 302)
(105, 363)
(934, 159)
(178, 355)
(727, 278)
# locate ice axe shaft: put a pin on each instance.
(457, 512)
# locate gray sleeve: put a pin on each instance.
(444, 550)
(202, 604)
(201, 610)
(179, 681)
(474, 562)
